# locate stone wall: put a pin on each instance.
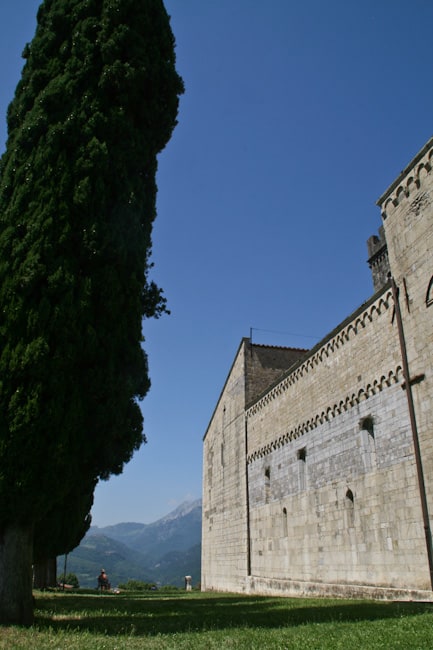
(225, 560)
(407, 213)
(311, 485)
(224, 537)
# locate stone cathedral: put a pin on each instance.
(318, 464)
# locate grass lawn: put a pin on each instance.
(83, 621)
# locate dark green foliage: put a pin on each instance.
(137, 585)
(96, 103)
(64, 526)
(70, 579)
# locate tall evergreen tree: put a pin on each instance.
(60, 531)
(97, 101)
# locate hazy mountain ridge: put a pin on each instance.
(163, 551)
(177, 531)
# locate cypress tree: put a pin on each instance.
(96, 103)
(59, 532)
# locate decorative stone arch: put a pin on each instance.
(398, 373)
(412, 184)
(388, 208)
(381, 305)
(373, 311)
(324, 353)
(361, 395)
(350, 329)
(401, 194)
(422, 170)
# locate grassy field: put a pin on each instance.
(192, 620)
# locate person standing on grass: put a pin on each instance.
(103, 583)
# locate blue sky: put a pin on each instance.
(297, 116)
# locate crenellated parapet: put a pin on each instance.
(411, 179)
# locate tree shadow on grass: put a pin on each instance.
(148, 616)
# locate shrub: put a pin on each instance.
(70, 579)
(137, 585)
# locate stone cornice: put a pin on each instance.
(339, 337)
(409, 181)
(370, 389)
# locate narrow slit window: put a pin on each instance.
(429, 294)
(302, 460)
(350, 509)
(285, 527)
(267, 484)
(368, 442)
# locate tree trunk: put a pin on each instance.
(45, 573)
(52, 572)
(16, 598)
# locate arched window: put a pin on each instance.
(368, 442)
(302, 461)
(367, 425)
(350, 509)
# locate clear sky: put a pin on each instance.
(297, 115)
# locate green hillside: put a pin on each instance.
(162, 552)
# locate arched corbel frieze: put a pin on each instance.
(422, 171)
(401, 194)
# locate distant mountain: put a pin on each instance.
(177, 531)
(174, 566)
(97, 551)
(163, 552)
